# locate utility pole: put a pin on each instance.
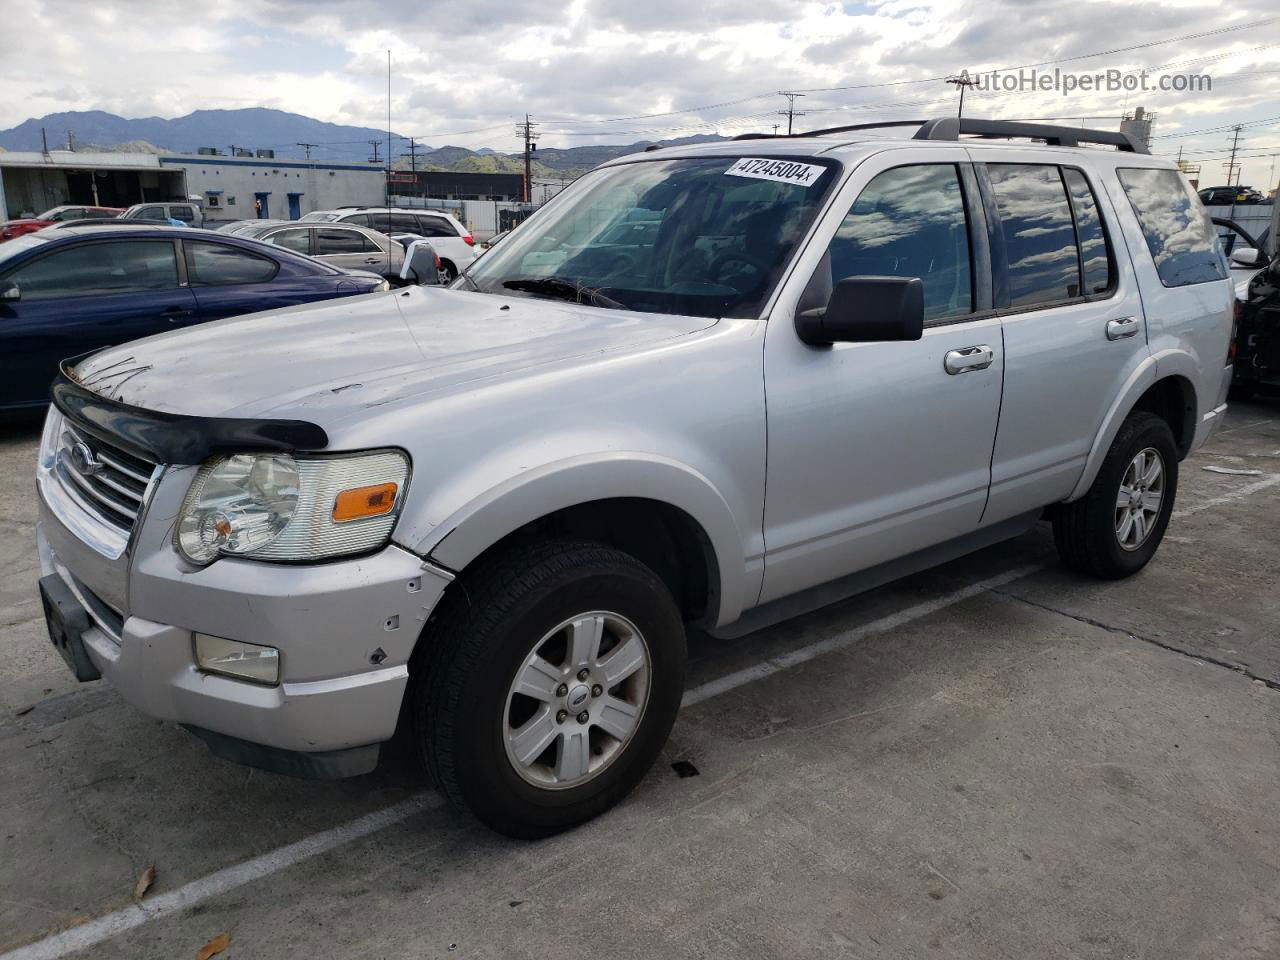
(375, 144)
(962, 81)
(386, 180)
(775, 129)
(71, 140)
(526, 130)
(307, 147)
(413, 159)
(790, 113)
(233, 148)
(44, 143)
(1233, 168)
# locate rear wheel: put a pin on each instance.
(1113, 531)
(448, 272)
(551, 683)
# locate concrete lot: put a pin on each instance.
(995, 759)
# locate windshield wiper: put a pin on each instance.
(564, 289)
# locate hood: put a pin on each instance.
(323, 362)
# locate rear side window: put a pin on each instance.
(435, 227)
(1095, 253)
(342, 241)
(910, 222)
(185, 214)
(1039, 236)
(1174, 225)
(299, 241)
(99, 268)
(359, 219)
(215, 264)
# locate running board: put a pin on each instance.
(825, 594)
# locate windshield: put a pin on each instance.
(11, 248)
(704, 237)
(54, 213)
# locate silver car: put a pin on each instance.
(695, 388)
(346, 246)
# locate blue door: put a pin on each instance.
(262, 204)
(295, 208)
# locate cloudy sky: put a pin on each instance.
(624, 70)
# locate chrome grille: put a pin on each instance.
(108, 482)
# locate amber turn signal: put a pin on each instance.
(363, 502)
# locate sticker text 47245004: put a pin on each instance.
(782, 171)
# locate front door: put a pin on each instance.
(349, 249)
(876, 450)
(260, 205)
(295, 207)
(83, 297)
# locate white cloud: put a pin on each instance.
(482, 64)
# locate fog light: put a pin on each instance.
(244, 661)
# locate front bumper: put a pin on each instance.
(345, 631)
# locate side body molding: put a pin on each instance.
(483, 520)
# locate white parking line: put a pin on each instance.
(1244, 491)
(229, 878)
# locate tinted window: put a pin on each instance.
(359, 219)
(404, 223)
(213, 264)
(910, 222)
(1095, 252)
(342, 241)
(186, 214)
(99, 268)
(434, 227)
(1039, 238)
(1176, 228)
(299, 241)
(151, 213)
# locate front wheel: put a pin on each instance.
(1113, 531)
(551, 683)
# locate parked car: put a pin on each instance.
(1221, 196)
(1245, 255)
(16, 228)
(484, 514)
(494, 240)
(236, 227)
(64, 293)
(342, 245)
(1257, 344)
(191, 214)
(456, 246)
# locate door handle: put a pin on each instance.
(371, 259)
(173, 313)
(1122, 327)
(968, 358)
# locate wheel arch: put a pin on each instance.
(1170, 395)
(666, 514)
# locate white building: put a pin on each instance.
(228, 186)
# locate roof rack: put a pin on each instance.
(952, 128)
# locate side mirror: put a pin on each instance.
(866, 310)
(9, 292)
(1248, 257)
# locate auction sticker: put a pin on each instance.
(783, 171)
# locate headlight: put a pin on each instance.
(383, 287)
(278, 507)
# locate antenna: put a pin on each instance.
(307, 147)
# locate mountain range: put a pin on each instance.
(257, 128)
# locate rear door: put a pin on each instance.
(1074, 330)
(79, 298)
(229, 280)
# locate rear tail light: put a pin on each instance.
(469, 240)
(438, 263)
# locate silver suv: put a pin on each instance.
(699, 381)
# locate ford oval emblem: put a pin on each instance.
(83, 459)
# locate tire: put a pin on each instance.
(1088, 531)
(501, 622)
(448, 271)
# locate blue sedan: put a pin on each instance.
(64, 293)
